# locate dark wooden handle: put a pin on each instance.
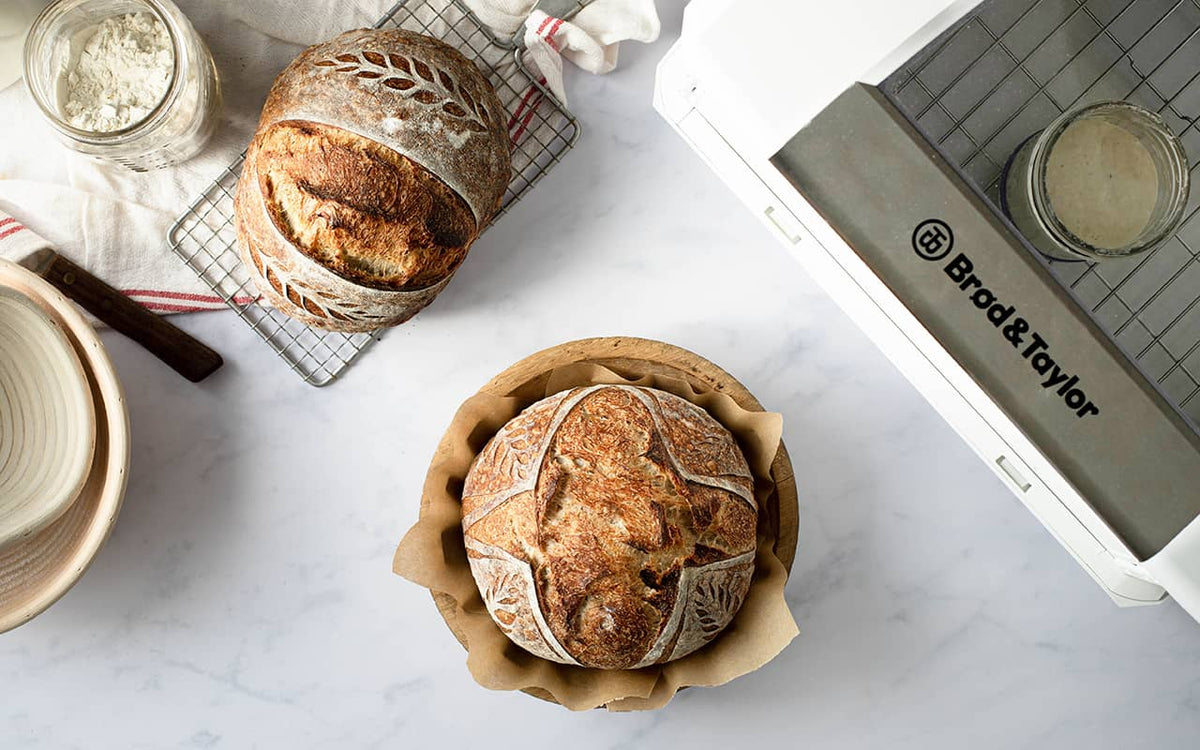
(187, 356)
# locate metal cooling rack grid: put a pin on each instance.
(1009, 69)
(205, 237)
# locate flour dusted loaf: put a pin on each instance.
(611, 527)
(379, 158)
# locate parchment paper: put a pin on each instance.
(432, 555)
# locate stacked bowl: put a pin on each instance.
(64, 445)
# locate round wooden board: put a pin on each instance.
(633, 358)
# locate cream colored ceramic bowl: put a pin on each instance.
(36, 571)
(47, 419)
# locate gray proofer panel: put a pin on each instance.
(1005, 71)
(999, 313)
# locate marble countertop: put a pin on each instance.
(246, 597)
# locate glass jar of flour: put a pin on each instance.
(1109, 180)
(128, 81)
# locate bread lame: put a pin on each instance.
(178, 349)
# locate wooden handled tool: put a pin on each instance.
(183, 353)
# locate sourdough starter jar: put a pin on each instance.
(96, 69)
(1106, 181)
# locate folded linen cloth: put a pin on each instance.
(114, 222)
(18, 241)
(590, 39)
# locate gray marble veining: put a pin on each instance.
(246, 598)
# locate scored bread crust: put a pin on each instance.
(304, 289)
(379, 157)
(611, 527)
(360, 209)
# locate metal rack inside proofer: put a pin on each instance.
(206, 240)
(1007, 70)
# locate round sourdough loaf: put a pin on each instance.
(379, 158)
(611, 527)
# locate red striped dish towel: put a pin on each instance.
(590, 39)
(17, 240)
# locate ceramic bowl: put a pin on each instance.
(37, 570)
(47, 419)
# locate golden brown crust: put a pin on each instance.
(365, 212)
(688, 431)
(412, 93)
(612, 528)
(303, 288)
(379, 157)
(599, 507)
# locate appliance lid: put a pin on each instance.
(765, 69)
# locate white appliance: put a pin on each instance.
(870, 136)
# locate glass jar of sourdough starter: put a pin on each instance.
(1106, 181)
(146, 47)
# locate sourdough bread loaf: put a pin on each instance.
(379, 158)
(611, 527)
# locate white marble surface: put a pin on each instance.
(246, 599)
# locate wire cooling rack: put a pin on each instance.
(542, 132)
(1010, 68)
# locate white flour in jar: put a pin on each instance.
(120, 75)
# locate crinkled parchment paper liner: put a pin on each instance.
(432, 553)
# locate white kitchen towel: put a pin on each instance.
(590, 39)
(114, 222)
(18, 240)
